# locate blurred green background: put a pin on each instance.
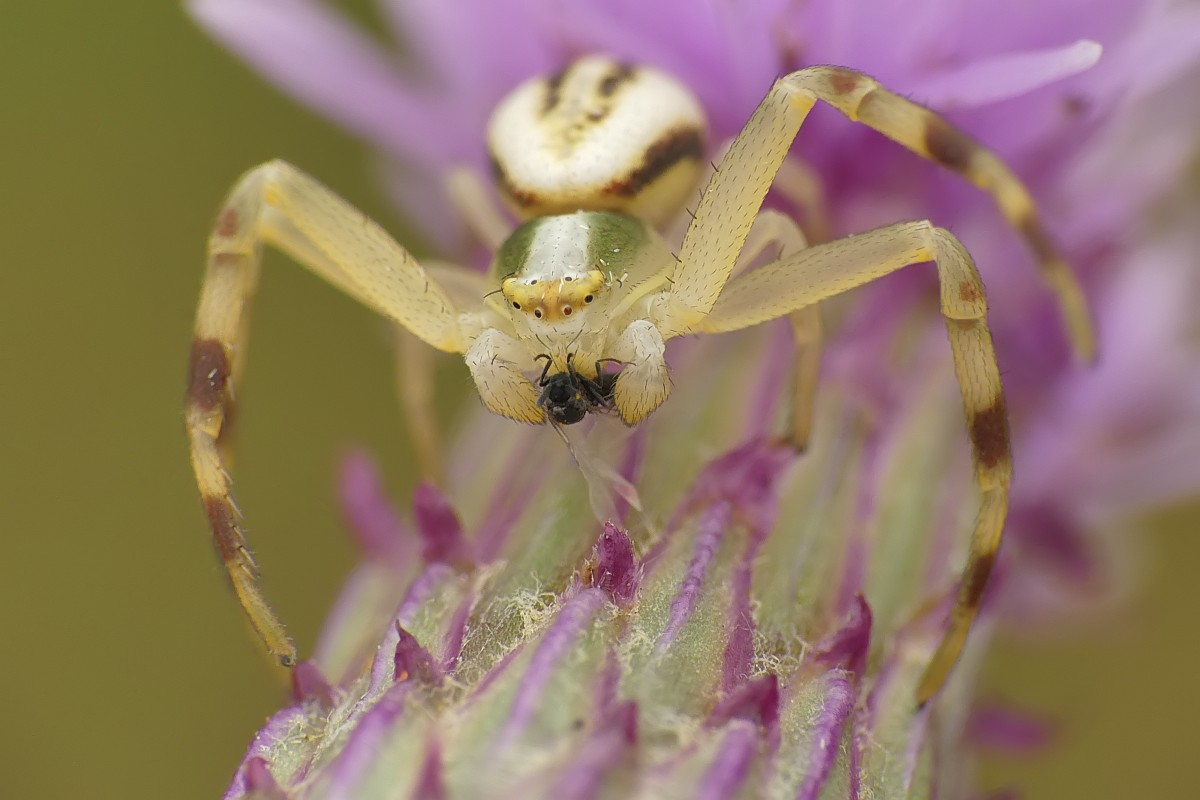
(126, 671)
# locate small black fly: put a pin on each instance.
(569, 396)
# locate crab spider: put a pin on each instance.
(593, 157)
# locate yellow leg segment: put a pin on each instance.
(279, 205)
(735, 192)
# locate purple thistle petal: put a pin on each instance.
(913, 750)
(430, 783)
(382, 668)
(731, 765)
(475, 71)
(1002, 728)
(509, 500)
(346, 772)
(866, 720)
(747, 478)
(309, 684)
(413, 662)
(574, 616)
(739, 649)
(827, 735)
(756, 700)
(326, 62)
(368, 512)
(616, 570)
(854, 571)
(848, 646)
(1059, 544)
(888, 722)
(625, 719)
(606, 748)
(276, 732)
(364, 607)
(608, 684)
(369, 597)
(630, 468)
(1005, 76)
(712, 526)
(769, 390)
(456, 632)
(260, 782)
(1160, 47)
(440, 529)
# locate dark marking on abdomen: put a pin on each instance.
(521, 197)
(621, 74)
(554, 91)
(678, 145)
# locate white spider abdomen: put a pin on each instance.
(599, 136)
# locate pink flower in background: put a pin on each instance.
(756, 626)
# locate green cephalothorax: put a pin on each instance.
(566, 274)
(556, 266)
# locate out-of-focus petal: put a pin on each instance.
(369, 514)
(1002, 77)
(440, 529)
(1001, 727)
(323, 60)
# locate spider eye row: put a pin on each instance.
(556, 298)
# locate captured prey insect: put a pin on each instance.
(569, 396)
(594, 158)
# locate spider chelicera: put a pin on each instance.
(597, 158)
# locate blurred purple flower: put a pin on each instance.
(768, 636)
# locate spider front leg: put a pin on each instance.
(498, 363)
(734, 194)
(278, 204)
(644, 383)
(826, 270)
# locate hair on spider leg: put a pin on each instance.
(569, 396)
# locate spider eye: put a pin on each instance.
(537, 312)
(516, 304)
(588, 299)
(567, 311)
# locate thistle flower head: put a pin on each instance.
(750, 621)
